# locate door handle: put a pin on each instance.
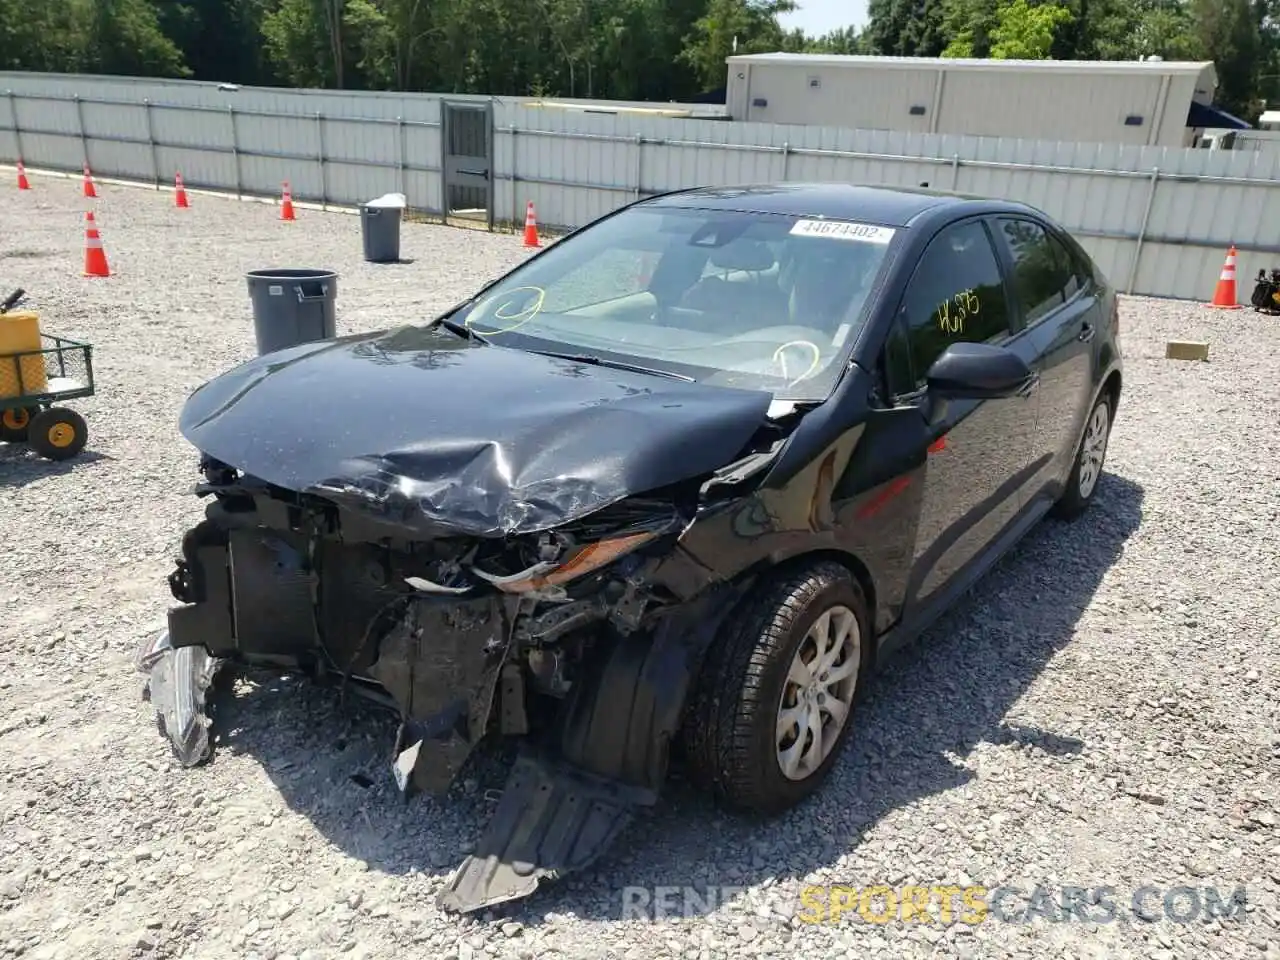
(473, 173)
(1086, 333)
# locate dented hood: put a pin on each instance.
(434, 432)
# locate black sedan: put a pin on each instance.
(680, 481)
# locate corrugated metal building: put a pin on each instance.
(1144, 103)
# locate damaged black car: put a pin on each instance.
(680, 481)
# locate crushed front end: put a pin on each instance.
(460, 635)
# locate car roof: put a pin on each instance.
(890, 206)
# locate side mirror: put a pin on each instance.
(977, 371)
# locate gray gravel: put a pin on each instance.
(1103, 711)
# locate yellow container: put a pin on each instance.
(20, 332)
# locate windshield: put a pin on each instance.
(749, 300)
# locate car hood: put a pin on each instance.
(422, 427)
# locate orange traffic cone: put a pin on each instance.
(89, 189)
(180, 192)
(530, 227)
(1224, 295)
(286, 203)
(95, 258)
(23, 182)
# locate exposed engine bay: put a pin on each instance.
(462, 636)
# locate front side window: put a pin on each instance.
(756, 301)
(1043, 278)
(955, 295)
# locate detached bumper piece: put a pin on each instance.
(178, 683)
(440, 664)
(550, 820)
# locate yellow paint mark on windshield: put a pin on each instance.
(509, 299)
(780, 358)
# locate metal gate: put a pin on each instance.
(468, 161)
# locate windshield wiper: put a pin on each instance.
(615, 364)
(461, 329)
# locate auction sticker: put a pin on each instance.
(843, 230)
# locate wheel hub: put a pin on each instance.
(61, 434)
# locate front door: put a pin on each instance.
(1060, 307)
(979, 462)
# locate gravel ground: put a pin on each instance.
(1102, 712)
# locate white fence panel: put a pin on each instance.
(1158, 219)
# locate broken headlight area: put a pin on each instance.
(462, 636)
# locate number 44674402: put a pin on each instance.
(954, 312)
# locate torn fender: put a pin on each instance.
(444, 435)
(562, 809)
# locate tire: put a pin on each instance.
(57, 433)
(14, 422)
(732, 743)
(1086, 471)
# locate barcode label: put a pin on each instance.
(843, 230)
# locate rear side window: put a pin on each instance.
(1078, 265)
(955, 295)
(1044, 275)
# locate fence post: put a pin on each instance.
(491, 164)
(17, 130)
(786, 160)
(639, 166)
(84, 140)
(955, 171)
(1142, 230)
(324, 173)
(151, 143)
(235, 151)
(400, 175)
(515, 181)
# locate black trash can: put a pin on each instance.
(380, 226)
(292, 307)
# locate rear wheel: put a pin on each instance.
(776, 694)
(1087, 470)
(14, 422)
(57, 433)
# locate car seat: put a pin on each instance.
(744, 302)
(823, 281)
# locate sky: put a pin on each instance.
(821, 16)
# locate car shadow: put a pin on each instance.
(20, 465)
(939, 698)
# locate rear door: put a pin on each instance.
(977, 471)
(1059, 307)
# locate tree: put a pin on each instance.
(1024, 32)
(124, 36)
(906, 28)
(969, 26)
(219, 39)
(1231, 34)
(732, 26)
(42, 36)
(618, 49)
